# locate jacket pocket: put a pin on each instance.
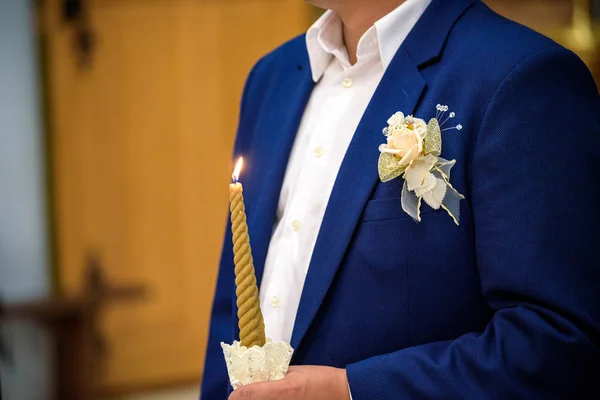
(385, 209)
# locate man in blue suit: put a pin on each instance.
(505, 305)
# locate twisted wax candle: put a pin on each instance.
(250, 318)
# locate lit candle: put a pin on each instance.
(250, 318)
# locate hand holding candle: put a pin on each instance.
(250, 319)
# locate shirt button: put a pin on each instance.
(319, 151)
(347, 83)
(275, 301)
(296, 225)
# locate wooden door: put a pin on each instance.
(141, 142)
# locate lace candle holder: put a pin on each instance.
(256, 364)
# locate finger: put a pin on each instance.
(261, 391)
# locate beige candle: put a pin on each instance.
(250, 318)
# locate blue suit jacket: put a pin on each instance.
(504, 306)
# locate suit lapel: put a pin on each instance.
(400, 90)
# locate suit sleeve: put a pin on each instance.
(535, 198)
(215, 383)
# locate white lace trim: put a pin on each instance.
(257, 364)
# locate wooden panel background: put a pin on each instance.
(141, 145)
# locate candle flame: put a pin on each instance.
(238, 169)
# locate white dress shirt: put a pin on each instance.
(332, 115)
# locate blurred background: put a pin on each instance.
(117, 120)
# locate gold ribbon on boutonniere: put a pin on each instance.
(413, 151)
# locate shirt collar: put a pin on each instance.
(324, 39)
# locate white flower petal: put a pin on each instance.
(435, 197)
(396, 119)
(417, 173)
(419, 141)
(415, 176)
(419, 121)
(404, 141)
(386, 149)
(428, 185)
(410, 155)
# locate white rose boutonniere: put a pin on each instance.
(413, 151)
(405, 138)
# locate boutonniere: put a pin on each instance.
(413, 151)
